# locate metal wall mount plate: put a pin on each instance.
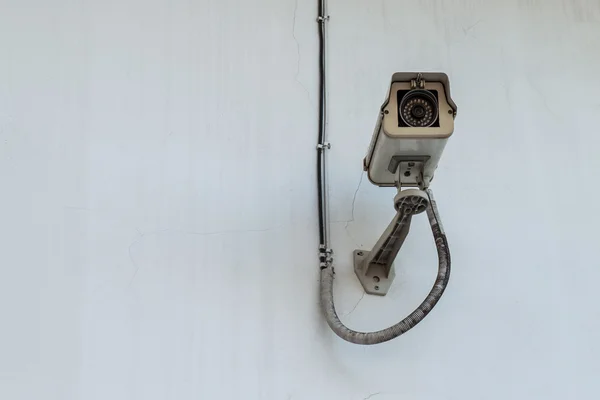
(373, 279)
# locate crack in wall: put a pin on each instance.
(353, 208)
(356, 305)
(299, 57)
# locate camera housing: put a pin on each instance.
(412, 129)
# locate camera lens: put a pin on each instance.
(418, 111)
(419, 108)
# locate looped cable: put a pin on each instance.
(416, 316)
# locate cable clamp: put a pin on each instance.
(325, 249)
(322, 19)
(324, 146)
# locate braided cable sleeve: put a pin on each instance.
(384, 335)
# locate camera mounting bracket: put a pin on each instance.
(375, 268)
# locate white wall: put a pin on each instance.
(158, 208)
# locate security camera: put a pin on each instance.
(412, 129)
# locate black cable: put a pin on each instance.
(321, 137)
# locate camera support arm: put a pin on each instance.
(375, 268)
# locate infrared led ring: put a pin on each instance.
(419, 108)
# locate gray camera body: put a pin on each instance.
(412, 129)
